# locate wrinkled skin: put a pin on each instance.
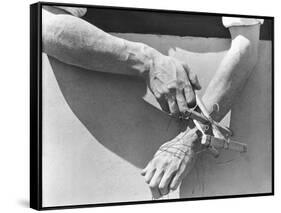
(172, 83)
(171, 163)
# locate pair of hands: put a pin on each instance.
(172, 83)
(171, 163)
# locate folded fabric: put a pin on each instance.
(236, 21)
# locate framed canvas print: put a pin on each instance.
(134, 106)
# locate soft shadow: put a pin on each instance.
(164, 43)
(23, 203)
(111, 107)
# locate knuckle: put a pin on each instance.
(183, 108)
(160, 92)
(161, 166)
(172, 86)
(165, 90)
(171, 169)
(147, 180)
(181, 100)
(162, 163)
(155, 163)
(175, 167)
(165, 165)
(192, 102)
(152, 185)
(158, 95)
(173, 187)
(162, 187)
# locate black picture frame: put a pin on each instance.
(267, 33)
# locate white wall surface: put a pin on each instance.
(94, 129)
(14, 108)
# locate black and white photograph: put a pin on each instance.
(132, 106)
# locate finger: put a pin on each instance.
(171, 99)
(189, 96)
(153, 185)
(178, 177)
(172, 103)
(145, 169)
(182, 105)
(149, 174)
(156, 178)
(162, 99)
(165, 182)
(176, 180)
(192, 77)
(183, 170)
(163, 104)
(158, 91)
(194, 81)
(155, 193)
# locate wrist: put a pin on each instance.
(140, 56)
(191, 138)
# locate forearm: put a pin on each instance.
(232, 74)
(176, 158)
(77, 42)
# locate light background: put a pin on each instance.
(14, 108)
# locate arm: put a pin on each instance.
(77, 42)
(174, 159)
(233, 71)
